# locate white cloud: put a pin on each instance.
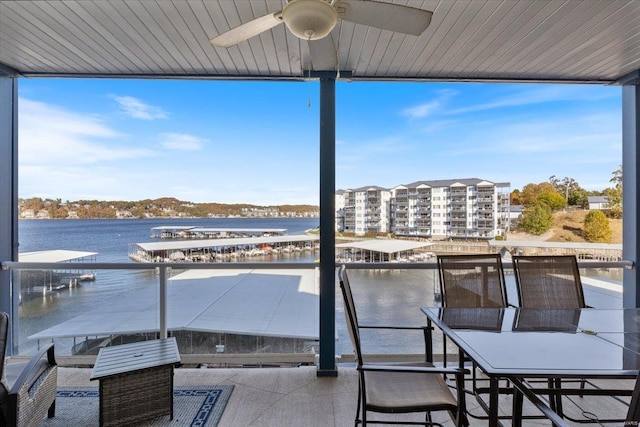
(422, 110)
(182, 141)
(52, 135)
(429, 108)
(137, 109)
(537, 94)
(63, 152)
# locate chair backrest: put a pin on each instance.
(548, 281)
(468, 281)
(350, 313)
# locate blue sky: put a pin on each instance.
(257, 142)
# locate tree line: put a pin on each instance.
(152, 208)
(540, 201)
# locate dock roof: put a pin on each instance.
(205, 243)
(281, 303)
(56, 255)
(385, 246)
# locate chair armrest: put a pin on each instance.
(414, 369)
(33, 364)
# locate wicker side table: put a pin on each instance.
(136, 381)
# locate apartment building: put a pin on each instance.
(439, 209)
(364, 210)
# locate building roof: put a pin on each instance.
(597, 199)
(592, 41)
(385, 246)
(281, 303)
(448, 182)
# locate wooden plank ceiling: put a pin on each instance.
(527, 40)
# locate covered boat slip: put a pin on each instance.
(220, 249)
(193, 232)
(48, 280)
(378, 250)
(261, 305)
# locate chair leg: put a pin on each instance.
(558, 385)
(358, 407)
(52, 410)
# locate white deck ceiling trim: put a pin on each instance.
(592, 41)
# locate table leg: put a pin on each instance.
(518, 399)
(493, 401)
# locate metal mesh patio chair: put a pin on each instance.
(548, 282)
(472, 281)
(400, 387)
(28, 390)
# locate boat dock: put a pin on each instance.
(43, 281)
(211, 250)
(191, 232)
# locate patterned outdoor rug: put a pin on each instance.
(192, 406)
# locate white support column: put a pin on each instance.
(630, 180)
(8, 192)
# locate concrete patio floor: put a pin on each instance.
(297, 397)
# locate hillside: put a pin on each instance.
(568, 228)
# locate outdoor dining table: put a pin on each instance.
(524, 344)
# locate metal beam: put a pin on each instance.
(630, 183)
(8, 197)
(327, 363)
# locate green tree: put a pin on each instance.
(597, 227)
(515, 197)
(614, 195)
(553, 200)
(567, 187)
(537, 219)
(530, 193)
(579, 198)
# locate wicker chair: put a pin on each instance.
(400, 387)
(28, 391)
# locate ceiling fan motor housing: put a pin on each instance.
(309, 19)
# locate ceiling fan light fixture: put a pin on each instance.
(309, 19)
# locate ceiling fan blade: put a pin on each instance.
(387, 16)
(247, 30)
(324, 56)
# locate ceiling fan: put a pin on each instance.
(313, 20)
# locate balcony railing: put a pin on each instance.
(72, 307)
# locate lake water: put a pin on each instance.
(383, 296)
(379, 291)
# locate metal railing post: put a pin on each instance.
(163, 302)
